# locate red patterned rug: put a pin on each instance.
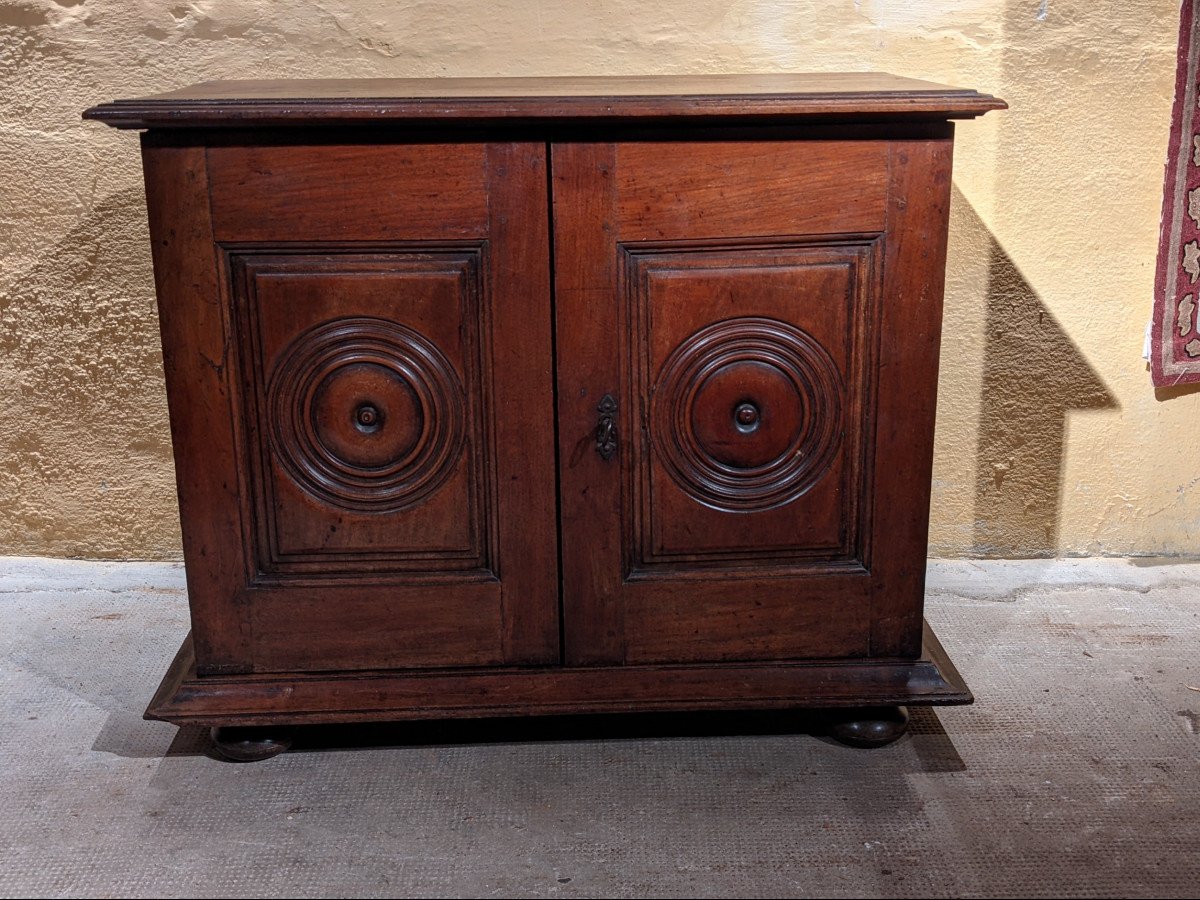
(1175, 338)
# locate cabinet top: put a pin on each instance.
(771, 97)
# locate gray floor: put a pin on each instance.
(1074, 775)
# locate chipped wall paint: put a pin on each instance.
(1050, 439)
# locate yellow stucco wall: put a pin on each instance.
(1050, 438)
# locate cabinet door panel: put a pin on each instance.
(737, 301)
(384, 383)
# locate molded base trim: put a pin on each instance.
(282, 699)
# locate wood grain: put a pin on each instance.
(327, 497)
(914, 279)
(185, 698)
(349, 192)
(708, 190)
(727, 302)
(200, 363)
(807, 511)
(775, 97)
(523, 405)
(588, 358)
(338, 281)
(377, 622)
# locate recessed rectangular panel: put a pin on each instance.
(755, 360)
(365, 420)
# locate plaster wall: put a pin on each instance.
(1051, 440)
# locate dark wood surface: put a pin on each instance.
(589, 486)
(779, 96)
(467, 425)
(775, 280)
(869, 727)
(194, 321)
(324, 284)
(907, 377)
(250, 744)
(356, 192)
(282, 699)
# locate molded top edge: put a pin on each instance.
(843, 95)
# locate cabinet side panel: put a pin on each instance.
(914, 279)
(198, 360)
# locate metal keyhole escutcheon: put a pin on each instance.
(606, 428)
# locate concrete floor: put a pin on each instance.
(1075, 775)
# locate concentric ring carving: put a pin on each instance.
(747, 414)
(366, 414)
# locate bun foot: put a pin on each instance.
(869, 727)
(250, 744)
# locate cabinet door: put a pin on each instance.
(359, 382)
(748, 340)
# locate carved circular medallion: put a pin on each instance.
(747, 414)
(366, 414)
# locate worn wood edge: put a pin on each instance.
(932, 649)
(291, 699)
(168, 113)
(567, 131)
(182, 666)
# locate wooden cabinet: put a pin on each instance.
(526, 396)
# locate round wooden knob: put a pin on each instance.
(367, 416)
(746, 416)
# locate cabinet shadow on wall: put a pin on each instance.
(1033, 378)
